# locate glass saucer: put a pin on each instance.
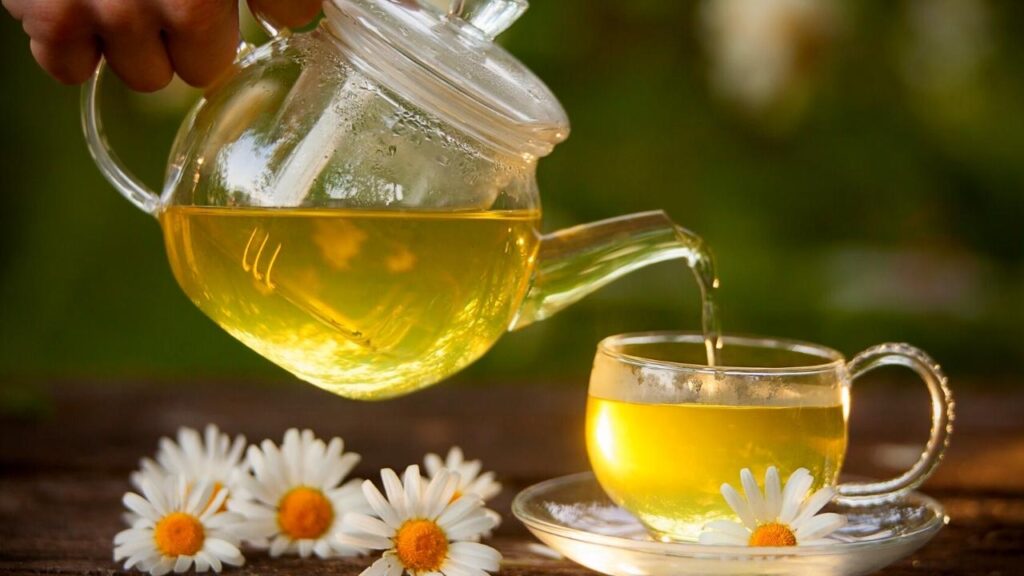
(572, 515)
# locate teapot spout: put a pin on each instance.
(576, 261)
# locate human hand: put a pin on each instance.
(144, 41)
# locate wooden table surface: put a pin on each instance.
(62, 473)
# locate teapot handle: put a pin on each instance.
(112, 168)
(104, 156)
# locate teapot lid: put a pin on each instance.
(445, 61)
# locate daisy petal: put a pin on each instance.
(235, 455)
(346, 463)
(278, 546)
(313, 463)
(393, 488)
(130, 535)
(198, 498)
(721, 539)
(181, 494)
(215, 563)
(753, 493)
(470, 527)
(139, 559)
(163, 566)
(270, 469)
(476, 555)
(323, 549)
(456, 569)
(221, 547)
(380, 505)
(819, 526)
(237, 560)
(455, 458)
(433, 463)
(251, 509)
(469, 470)
(793, 494)
(471, 571)
(214, 504)
(140, 506)
(772, 494)
(413, 490)
(739, 506)
(360, 541)
(813, 504)
(368, 524)
(155, 496)
(494, 516)
(728, 527)
(458, 510)
(222, 520)
(378, 568)
(182, 563)
(331, 475)
(394, 567)
(257, 489)
(132, 548)
(439, 493)
(485, 486)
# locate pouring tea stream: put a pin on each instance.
(358, 203)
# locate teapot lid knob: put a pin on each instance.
(490, 17)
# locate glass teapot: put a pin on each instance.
(358, 203)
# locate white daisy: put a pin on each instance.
(215, 459)
(471, 481)
(294, 499)
(177, 526)
(778, 518)
(421, 530)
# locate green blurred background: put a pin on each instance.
(857, 167)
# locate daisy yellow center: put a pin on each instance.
(305, 513)
(421, 545)
(179, 534)
(772, 534)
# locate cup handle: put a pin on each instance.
(112, 168)
(891, 354)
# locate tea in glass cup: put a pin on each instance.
(664, 431)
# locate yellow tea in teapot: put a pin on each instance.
(667, 462)
(369, 303)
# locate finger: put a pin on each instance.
(140, 60)
(291, 14)
(69, 62)
(54, 22)
(15, 8)
(202, 36)
(133, 45)
(63, 38)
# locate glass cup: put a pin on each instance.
(665, 431)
